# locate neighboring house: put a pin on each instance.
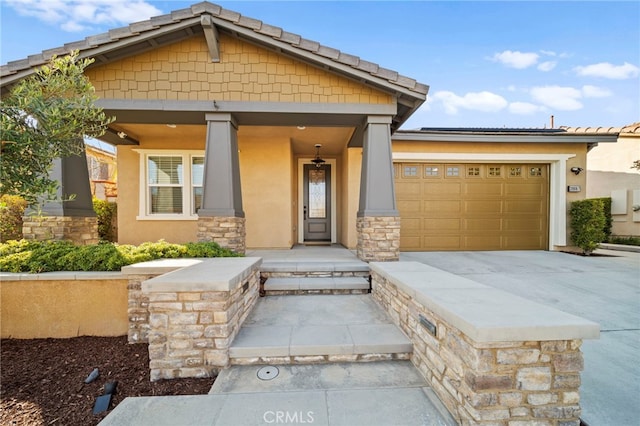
(218, 117)
(610, 174)
(102, 173)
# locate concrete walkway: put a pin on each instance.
(604, 289)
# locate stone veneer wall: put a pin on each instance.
(228, 232)
(78, 230)
(191, 331)
(505, 383)
(138, 309)
(378, 238)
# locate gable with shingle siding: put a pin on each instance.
(184, 71)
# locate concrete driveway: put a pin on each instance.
(603, 288)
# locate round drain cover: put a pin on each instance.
(267, 373)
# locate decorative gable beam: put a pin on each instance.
(211, 34)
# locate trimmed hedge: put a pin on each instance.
(588, 223)
(608, 218)
(50, 256)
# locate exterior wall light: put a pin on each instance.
(576, 170)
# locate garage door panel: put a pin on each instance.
(437, 224)
(475, 207)
(488, 241)
(412, 206)
(482, 189)
(535, 189)
(444, 208)
(483, 206)
(482, 224)
(443, 242)
(537, 207)
(410, 190)
(434, 188)
(531, 223)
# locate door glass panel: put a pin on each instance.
(317, 194)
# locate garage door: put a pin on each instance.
(472, 206)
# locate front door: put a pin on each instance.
(317, 202)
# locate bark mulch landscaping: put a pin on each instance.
(42, 380)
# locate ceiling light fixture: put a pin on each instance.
(301, 127)
(318, 161)
(172, 126)
(122, 135)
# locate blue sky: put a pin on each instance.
(489, 64)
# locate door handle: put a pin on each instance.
(304, 213)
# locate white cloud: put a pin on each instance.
(595, 92)
(77, 15)
(557, 97)
(524, 108)
(608, 70)
(519, 60)
(548, 52)
(480, 101)
(547, 66)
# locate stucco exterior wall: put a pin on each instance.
(184, 71)
(267, 179)
(615, 157)
(46, 308)
(350, 196)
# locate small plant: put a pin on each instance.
(627, 241)
(49, 256)
(588, 223)
(12, 209)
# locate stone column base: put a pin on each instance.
(77, 229)
(228, 232)
(378, 238)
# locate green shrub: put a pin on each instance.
(628, 241)
(587, 224)
(48, 256)
(107, 213)
(608, 224)
(12, 209)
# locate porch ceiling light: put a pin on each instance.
(171, 126)
(318, 161)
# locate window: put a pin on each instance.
(515, 171)
(495, 171)
(410, 171)
(171, 184)
(473, 171)
(535, 171)
(453, 171)
(430, 171)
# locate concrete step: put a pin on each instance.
(287, 344)
(314, 269)
(313, 283)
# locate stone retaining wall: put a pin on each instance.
(79, 230)
(510, 383)
(195, 313)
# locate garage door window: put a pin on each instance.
(473, 171)
(515, 171)
(453, 171)
(495, 171)
(430, 171)
(535, 171)
(410, 171)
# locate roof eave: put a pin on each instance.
(502, 137)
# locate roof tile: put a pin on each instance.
(35, 60)
(229, 15)
(270, 30)
(204, 7)
(254, 24)
(407, 82)
(367, 66)
(162, 19)
(119, 33)
(57, 51)
(180, 14)
(142, 26)
(347, 59)
(328, 52)
(386, 74)
(291, 38)
(309, 45)
(99, 39)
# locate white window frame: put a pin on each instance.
(144, 206)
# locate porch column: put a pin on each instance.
(378, 222)
(221, 218)
(73, 220)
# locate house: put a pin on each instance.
(610, 174)
(102, 172)
(232, 130)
